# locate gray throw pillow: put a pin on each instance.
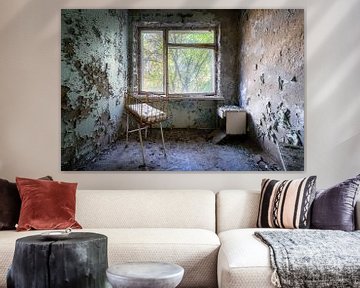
(334, 208)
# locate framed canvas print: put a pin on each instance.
(182, 90)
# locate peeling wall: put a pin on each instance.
(193, 113)
(93, 81)
(272, 76)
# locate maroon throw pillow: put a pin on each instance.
(10, 204)
(334, 208)
(46, 204)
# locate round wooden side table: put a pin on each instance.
(79, 260)
(145, 275)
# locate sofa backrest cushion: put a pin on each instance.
(236, 209)
(146, 209)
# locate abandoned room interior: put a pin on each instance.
(227, 86)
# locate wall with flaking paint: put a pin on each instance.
(272, 76)
(194, 114)
(93, 81)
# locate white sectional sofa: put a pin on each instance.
(210, 235)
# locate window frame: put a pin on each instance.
(165, 30)
(139, 62)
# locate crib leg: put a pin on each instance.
(162, 138)
(142, 145)
(127, 129)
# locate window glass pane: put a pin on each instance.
(152, 69)
(191, 37)
(191, 70)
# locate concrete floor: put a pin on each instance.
(187, 150)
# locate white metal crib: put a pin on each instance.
(146, 110)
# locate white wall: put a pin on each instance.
(30, 94)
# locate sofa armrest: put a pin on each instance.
(357, 215)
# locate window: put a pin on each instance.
(152, 61)
(178, 62)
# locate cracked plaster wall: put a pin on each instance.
(93, 81)
(194, 113)
(272, 76)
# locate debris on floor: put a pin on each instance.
(186, 150)
(217, 136)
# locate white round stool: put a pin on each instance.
(145, 275)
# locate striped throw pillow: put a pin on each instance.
(286, 204)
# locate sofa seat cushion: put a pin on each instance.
(196, 250)
(244, 261)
